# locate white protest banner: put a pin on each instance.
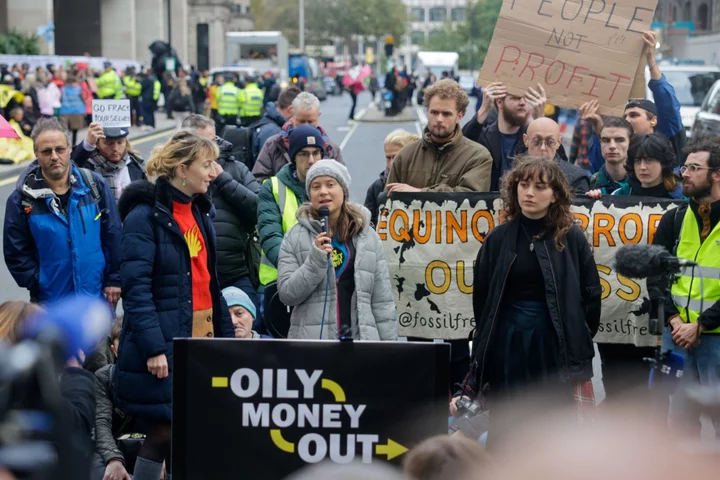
(112, 113)
(579, 50)
(432, 240)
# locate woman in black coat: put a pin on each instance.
(170, 286)
(536, 299)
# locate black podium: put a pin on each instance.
(265, 408)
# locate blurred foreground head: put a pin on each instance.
(354, 471)
(443, 457)
(625, 442)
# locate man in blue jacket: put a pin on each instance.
(62, 230)
(646, 117)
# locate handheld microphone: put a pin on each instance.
(642, 261)
(75, 323)
(324, 213)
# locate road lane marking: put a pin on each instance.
(152, 137)
(419, 129)
(8, 181)
(349, 134)
(358, 117)
(421, 114)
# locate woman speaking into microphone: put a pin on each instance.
(336, 277)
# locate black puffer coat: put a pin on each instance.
(235, 194)
(573, 295)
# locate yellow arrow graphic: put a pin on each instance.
(391, 449)
(280, 442)
(335, 389)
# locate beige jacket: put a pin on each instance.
(458, 166)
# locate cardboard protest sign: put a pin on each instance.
(579, 50)
(263, 409)
(432, 240)
(112, 113)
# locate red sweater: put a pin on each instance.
(201, 296)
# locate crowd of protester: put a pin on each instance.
(194, 242)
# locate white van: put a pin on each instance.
(436, 62)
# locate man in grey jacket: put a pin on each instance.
(274, 153)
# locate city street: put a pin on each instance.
(362, 145)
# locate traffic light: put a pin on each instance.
(389, 45)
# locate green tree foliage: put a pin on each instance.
(18, 43)
(329, 19)
(470, 38)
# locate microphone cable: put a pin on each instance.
(327, 287)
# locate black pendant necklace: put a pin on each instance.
(531, 239)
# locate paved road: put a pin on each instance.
(362, 150)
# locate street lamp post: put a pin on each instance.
(169, 20)
(301, 27)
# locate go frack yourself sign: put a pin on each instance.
(274, 406)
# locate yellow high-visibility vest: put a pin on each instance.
(132, 86)
(228, 99)
(108, 84)
(687, 293)
(156, 90)
(288, 204)
(251, 101)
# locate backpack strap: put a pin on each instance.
(678, 220)
(89, 180)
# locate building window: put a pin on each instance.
(438, 14)
(457, 14)
(434, 33)
(687, 12)
(703, 15)
(417, 38)
(417, 14)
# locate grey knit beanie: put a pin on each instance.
(329, 168)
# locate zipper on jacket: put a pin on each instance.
(82, 219)
(692, 280)
(557, 299)
(492, 323)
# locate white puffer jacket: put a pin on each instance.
(302, 273)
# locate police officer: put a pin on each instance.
(251, 102)
(109, 84)
(229, 101)
(692, 232)
(132, 91)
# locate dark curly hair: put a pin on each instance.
(710, 145)
(528, 167)
(653, 146)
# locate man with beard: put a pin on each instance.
(504, 136)
(62, 229)
(443, 160)
(108, 152)
(692, 312)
